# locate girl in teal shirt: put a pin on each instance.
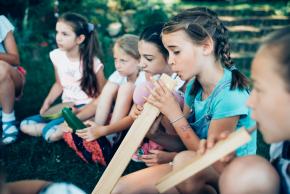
(197, 42)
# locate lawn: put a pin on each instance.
(33, 158)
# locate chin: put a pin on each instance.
(270, 137)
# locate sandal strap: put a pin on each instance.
(9, 133)
(8, 125)
(46, 132)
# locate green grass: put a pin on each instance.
(33, 158)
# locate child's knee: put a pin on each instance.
(182, 159)
(119, 188)
(249, 175)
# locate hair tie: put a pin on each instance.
(91, 27)
(233, 67)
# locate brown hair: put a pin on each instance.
(89, 49)
(279, 43)
(199, 24)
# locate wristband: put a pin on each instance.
(177, 119)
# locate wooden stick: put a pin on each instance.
(130, 144)
(221, 149)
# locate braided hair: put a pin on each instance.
(201, 23)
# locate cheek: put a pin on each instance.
(132, 66)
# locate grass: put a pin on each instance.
(33, 158)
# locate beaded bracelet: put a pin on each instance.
(177, 119)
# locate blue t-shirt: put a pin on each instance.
(5, 27)
(221, 103)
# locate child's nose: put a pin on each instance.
(170, 60)
(142, 65)
(117, 64)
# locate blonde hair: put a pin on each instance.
(129, 44)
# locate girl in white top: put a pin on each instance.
(78, 72)
(153, 61)
(115, 99)
(12, 79)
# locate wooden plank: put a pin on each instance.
(130, 144)
(221, 149)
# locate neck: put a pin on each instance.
(133, 77)
(73, 54)
(209, 77)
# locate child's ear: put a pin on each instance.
(208, 46)
(80, 39)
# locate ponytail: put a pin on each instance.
(89, 50)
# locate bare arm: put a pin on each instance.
(11, 56)
(88, 111)
(101, 80)
(119, 126)
(170, 141)
(123, 102)
(106, 99)
(95, 131)
(53, 94)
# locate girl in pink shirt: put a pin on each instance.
(78, 73)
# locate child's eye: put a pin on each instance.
(176, 52)
(257, 89)
(149, 59)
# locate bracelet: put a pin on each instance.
(178, 118)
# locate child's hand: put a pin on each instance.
(136, 111)
(208, 144)
(92, 132)
(75, 110)
(162, 98)
(65, 128)
(156, 157)
(44, 107)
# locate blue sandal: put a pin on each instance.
(10, 132)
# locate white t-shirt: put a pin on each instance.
(5, 27)
(118, 79)
(70, 74)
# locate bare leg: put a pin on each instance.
(204, 182)
(88, 111)
(32, 129)
(121, 108)
(143, 181)
(105, 103)
(249, 175)
(10, 84)
(57, 135)
(123, 102)
(26, 186)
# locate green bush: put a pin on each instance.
(35, 36)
